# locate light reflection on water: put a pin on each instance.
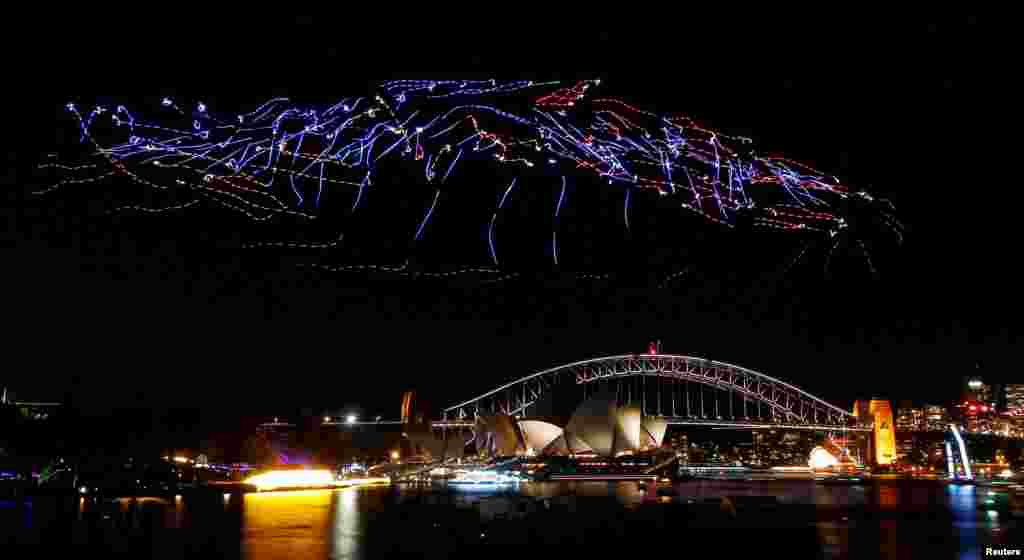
(346, 524)
(351, 522)
(964, 503)
(286, 525)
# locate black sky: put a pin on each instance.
(149, 313)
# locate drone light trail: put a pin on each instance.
(287, 159)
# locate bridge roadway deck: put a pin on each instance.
(672, 421)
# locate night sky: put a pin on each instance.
(158, 312)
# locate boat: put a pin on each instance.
(482, 479)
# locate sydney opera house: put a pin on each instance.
(598, 426)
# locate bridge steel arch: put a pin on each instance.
(787, 404)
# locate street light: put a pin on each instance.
(351, 419)
(327, 419)
(394, 455)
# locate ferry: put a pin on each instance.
(481, 479)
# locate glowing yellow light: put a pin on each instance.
(180, 459)
(365, 481)
(821, 459)
(274, 480)
(394, 455)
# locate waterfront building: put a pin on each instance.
(910, 418)
(977, 391)
(1014, 398)
(936, 418)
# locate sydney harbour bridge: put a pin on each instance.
(566, 407)
(681, 390)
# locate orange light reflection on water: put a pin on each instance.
(286, 525)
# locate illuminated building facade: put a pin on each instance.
(885, 432)
(977, 391)
(976, 410)
(1014, 398)
(976, 417)
(936, 418)
(879, 412)
(910, 418)
(1003, 425)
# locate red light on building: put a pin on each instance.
(984, 409)
(973, 408)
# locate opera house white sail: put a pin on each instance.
(653, 432)
(538, 435)
(594, 423)
(627, 430)
(597, 426)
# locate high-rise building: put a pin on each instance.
(998, 397)
(1003, 425)
(936, 418)
(977, 391)
(1017, 426)
(977, 408)
(910, 418)
(1014, 397)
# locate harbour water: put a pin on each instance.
(726, 518)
